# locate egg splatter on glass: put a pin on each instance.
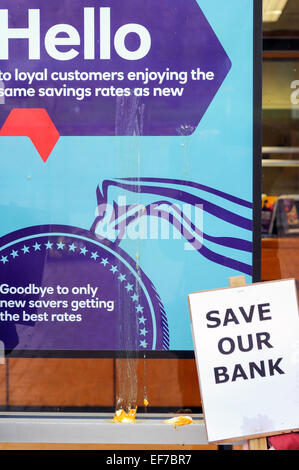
(122, 417)
(179, 421)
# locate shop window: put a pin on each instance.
(280, 152)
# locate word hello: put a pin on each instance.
(71, 37)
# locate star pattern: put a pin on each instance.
(94, 255)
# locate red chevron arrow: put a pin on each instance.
(35, 124)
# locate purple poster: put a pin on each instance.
(127, 168)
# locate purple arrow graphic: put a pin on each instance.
(133, 68)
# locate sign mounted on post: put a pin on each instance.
(246, 343)
(130, 169)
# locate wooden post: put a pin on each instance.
(237, 281)
(260, 443)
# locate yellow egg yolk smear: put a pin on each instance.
(122, 417)
(180, 421)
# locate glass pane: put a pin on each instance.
(82, 383)
(280, 214)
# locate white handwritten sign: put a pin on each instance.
(246, 342)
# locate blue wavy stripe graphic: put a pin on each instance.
(185, 197)
(230, 242)
(192, 184)
(179, 193)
